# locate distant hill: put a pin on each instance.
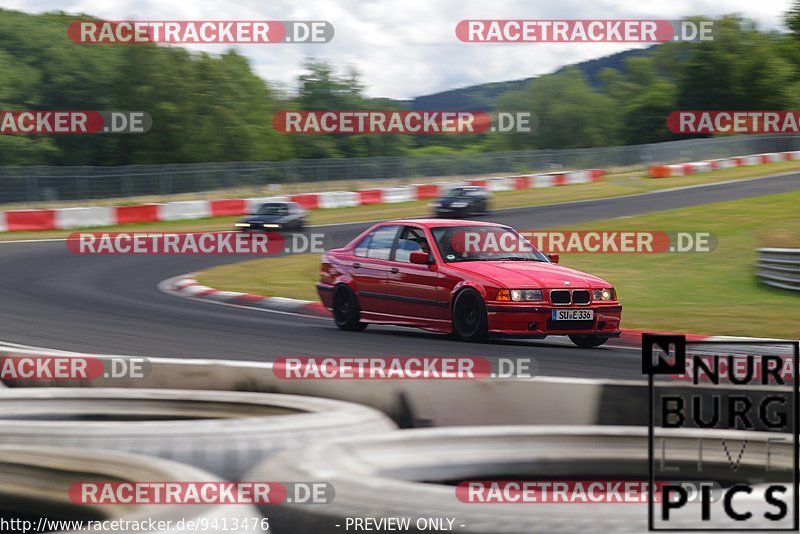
(482, 97)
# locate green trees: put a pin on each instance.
(793, 19)
(741, 68)
(214, 108)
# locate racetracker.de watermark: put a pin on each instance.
(402, 367)
(224, 243)
(581, 242)
(24, 368)
(583, 31)
(199, 492)
(44, 122)
(734, 122)
(200, 31)
(565, 491)
(403, 122)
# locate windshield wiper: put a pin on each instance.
(514, 258)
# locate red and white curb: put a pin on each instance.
(694, 167)
(187, 286)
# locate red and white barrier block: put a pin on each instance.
(683, 169)
(89, 217)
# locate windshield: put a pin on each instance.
(484, 243)
(273, 209)
(458, 192)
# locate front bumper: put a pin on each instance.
(535, 320)
(325, 292)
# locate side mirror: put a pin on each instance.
(420, 258)
(554, 257)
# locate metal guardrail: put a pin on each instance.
(780, 267)
(40, 183)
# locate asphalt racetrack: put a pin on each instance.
(111, 304)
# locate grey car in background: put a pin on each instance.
(462, 201)
(283, 216)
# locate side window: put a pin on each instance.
(380, 246)
(362, 246)
(411, 240)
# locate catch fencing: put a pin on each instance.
(36, 184)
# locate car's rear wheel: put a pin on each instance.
(346, 312)
(588, 341)
(470, 322)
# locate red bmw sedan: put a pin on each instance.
(468, 278)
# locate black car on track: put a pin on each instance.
(274, 217)
(462, 201)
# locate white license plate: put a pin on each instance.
(573, 315)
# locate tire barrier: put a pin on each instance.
(35, 481)
(780, 268)
(224, 433)
(414, 474)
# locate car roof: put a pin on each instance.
(465, 188)
(435, 223)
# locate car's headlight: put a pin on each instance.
(459, 205)
(242, 225)
(604, 294)
(520, 295)
(266, 225)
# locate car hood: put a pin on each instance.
(531, 274)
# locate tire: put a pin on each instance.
(346, 312)
(470, 322)
(587, 341)
(222, 432)
(36, 481)
(411, 473)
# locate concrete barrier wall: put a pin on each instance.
(187, 209)
(68, 218)
(414, 403)
(409, 402)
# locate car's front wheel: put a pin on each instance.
(588, 341)
(346, 312)
(470, 322)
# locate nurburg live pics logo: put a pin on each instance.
(744, 403)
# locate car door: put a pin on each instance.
(414, 289)
(371, 264)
